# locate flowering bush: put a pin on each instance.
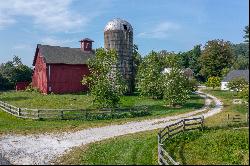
(105, 81)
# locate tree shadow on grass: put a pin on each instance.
(17, 98)
(158, 108)
(194, 97)
(193, 105)
(179, 142)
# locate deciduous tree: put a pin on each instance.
(105, 81)
(150, 76)
(176, 89)
(216, 56)
(14, 71)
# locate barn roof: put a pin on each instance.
(236, 73)
(63, 55)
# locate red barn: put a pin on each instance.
(61, 69)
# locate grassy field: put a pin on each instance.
(218, 146)
(220, 143)
(10, 124)
(229, 108)
(84, 101)
(139, 149)
(211, 147)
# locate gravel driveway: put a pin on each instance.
(43, 148)
(3, 161)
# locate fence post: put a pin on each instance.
(183, 125)
(19, 111)
(202, 122)
(227, 116)
(159, 149)
(61, 114)
(86, 115)
(38, 111)
(168, 131)
(247, 118)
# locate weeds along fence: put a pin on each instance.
(168, 132)
(67, 114)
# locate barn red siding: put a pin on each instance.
(21, 85)
(64, 78)
(39, 78)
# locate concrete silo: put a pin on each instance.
(118, 35)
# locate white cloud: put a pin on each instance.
(160, 31)
(50, 40)
(22, 47)
(53, 15)
(5, 21)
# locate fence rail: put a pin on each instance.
(238, 118)
(173, 129)
(86, 114)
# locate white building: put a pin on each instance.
(233, 74)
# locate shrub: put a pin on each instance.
(176, 91)
(244, 93)
(117, 115)
(237, 84)
(192, 85)
(30, 88)
(213, 82)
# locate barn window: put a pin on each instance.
(125, 27)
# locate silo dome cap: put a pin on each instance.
(118, 24)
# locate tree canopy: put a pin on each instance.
(150, 76)
(217, 55)
(237, 84)
(105, 81)
(246, 36)
(12, 72)
(176, 87)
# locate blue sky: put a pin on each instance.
(173, 25)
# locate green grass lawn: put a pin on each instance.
(218, 144)
(229, 108)
(84, 101)
(211, 147)
(139, 149)
(11, 124)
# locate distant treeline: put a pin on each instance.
(12, 72)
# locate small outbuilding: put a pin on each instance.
(22, 85)
(61, 69)
(234, 74)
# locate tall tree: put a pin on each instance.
(17, 61)
(190, 59)
(176, 89)
(241, 55)
(246, 36)
(14, 71)
(137, 59)
(105, 81)
(150, 75)
(217, 55)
